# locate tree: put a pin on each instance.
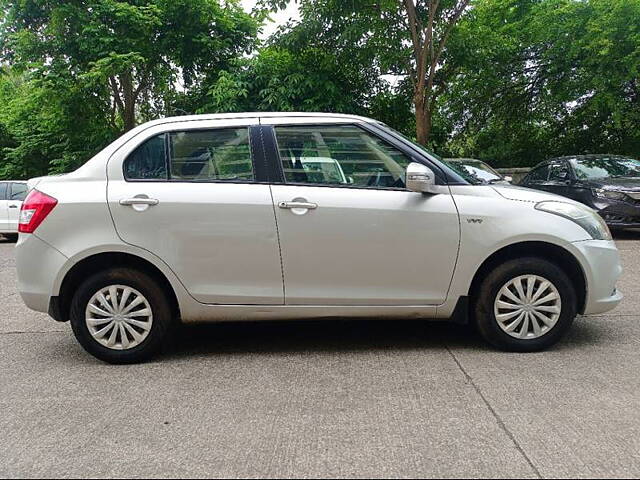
(132, 54)
(292, 73)
(47, 129)
(429, 24)
(402, 38)
(540, 78)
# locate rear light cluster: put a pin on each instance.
(35, 209)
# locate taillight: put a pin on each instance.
(35, 209)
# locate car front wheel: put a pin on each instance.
(121, 316)
(525, 305)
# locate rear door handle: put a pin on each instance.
(305, 205)
(13, 206)
(139, 201)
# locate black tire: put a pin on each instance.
(483, 308)
(12, 237)
(155, 296)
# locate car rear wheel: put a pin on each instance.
(121, 316)
(525, 305)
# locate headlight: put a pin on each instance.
(610, 194)
(583, 216)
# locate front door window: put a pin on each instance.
(339, 155)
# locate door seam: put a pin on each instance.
(275, 218)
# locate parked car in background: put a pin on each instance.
(12, 193)
(228, 217)
(479, 169)
(610, 184)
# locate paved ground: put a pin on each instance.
(318, 399)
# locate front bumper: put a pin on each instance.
(600, 262)
(619, 214)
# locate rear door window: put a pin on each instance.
(148, 161)
(211, 155)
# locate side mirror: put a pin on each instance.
(420, 178)
(508, 179)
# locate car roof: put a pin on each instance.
(13, 181)
(265, 115)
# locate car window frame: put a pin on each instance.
(167, 159)
(276, 159)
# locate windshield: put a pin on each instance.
(605, 167)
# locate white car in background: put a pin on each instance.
(228, 217)
(479, 169)
(12, 193)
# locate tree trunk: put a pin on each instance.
(129, 111)
(423, 121)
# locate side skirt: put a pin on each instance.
(221, 313)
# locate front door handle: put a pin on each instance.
(139, 201)
(295, 204)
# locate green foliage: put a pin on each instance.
(546, 77)
(46, 130)
(91, 69)
(278, 79)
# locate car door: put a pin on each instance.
(189, 193)
(4, 208)
(16, 195)
(358, 236)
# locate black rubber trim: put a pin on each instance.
(460, 314)
(258, 155)
(55, 310)
(276, 174)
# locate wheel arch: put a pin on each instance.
(102, 261)
(549, 251)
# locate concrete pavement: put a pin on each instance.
(323, 399)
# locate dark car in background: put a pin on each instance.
(610, 184)
(476, 168)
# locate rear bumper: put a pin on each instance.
(601, 264)
(37, 263)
